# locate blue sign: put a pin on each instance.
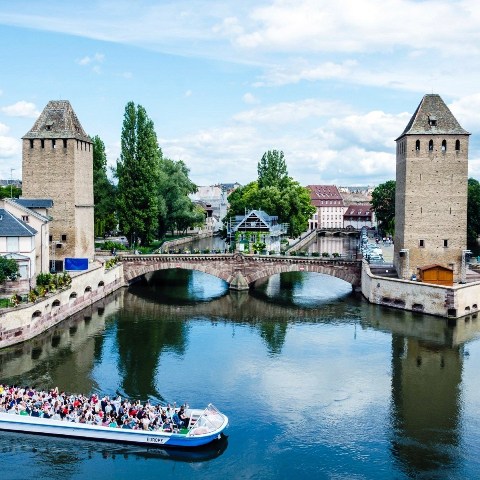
(76, 264)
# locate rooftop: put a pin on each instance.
(10, 226)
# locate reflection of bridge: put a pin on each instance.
(241, 271)
(338, 232)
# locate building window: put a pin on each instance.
(64, 143)
(430, 146)
(445, 243)
(432, 121)
(50, 238)
(54, 143)
(12, 244)
(444, 145)
(421, 243)
(25, 218)
(31, 143)
(42, 143)
(417, 145)
(58, 245)
(457, 145)
(64, 237)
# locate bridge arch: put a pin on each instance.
(238, 270)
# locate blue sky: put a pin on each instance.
(332, 84)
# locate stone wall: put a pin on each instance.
(25, 322)
(451, 302)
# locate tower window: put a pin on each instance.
(457, 145)
(31, 143)
(432, 121)
(421, 243)
(42, 143)
(445, 243)
(444, 145)
(430, 146)
(54, 143)
(417, 145)
(64, 143)
(64, 237)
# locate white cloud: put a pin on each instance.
(291, 112)
(250, 98)
(466, 110)
(87, 60)
(9, 147)
(21, 109)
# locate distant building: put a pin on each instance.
(58, 164)
(330, 207)
(256, 226)
(358, 216)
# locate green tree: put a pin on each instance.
(473, 210)
(8, 269)
(176, 210)
(272, 170)
(10, 191)
(383, 203)
(138, 173)
(279, 195)
(104, 191)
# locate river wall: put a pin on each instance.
(172, 244)
(302, 242)
(450, 302)
(27, 321)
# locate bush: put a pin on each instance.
(325, 254)
(272, 252)
(114, 245)
(303, 254)
(335, 255)
(4, 302)
(293, 254)
(315, 254)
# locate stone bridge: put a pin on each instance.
(241, 271)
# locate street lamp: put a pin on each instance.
(405, 252)
(11, 182)
(463, 275)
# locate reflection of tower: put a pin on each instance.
(425, 403)
(58, 164)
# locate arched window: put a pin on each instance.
(430, 146)
(36, 314)
(457, 145)
(101, 284)
(444, 145)
(56, 303)
(417, 145)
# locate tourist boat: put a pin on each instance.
(205, 427)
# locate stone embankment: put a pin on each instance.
(172, 244)
(26, 321)
(309, 237)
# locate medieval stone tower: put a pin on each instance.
(58, 164)
(431, 190)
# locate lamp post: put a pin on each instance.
(11, 182)
(463, 275)
(405, 252)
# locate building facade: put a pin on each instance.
(58, 164)
(330, 207)
(431, 190)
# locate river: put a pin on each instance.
(316, 382)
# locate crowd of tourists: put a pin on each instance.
(93, 410)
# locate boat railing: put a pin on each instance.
(210, 420)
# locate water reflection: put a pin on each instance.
(315, 362)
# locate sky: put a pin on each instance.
(331, 84)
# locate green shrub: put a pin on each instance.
(293, 254)
(303, 254)
(5, 302)
(335, 255)
(272, 252)
(325, 254)
(315, 254)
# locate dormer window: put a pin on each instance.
(432, 120)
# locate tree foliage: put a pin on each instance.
(272, 170)
(473, 210)
(138, 173)
(383, 203)
(276, 193)
(176, 210)
(104, 191)
(10, 191)
(8, 269)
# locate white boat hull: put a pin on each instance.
(26, 424)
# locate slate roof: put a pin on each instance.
(58, 120)
(11, 226)
(432, 116)
(34, 202)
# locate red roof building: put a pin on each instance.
(330, 207)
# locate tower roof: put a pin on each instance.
(58, 120)
(433, 117)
